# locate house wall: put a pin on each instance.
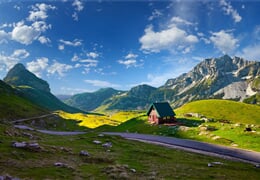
(153, 117)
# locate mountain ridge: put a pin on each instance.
(221, 78)
(35, 89)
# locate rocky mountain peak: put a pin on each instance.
(20, 76)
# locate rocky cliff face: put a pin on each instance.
(224, 77)
(19, 76)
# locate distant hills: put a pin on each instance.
(34, 89)
(220, 78)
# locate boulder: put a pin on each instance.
(107, 145)
(83, 153)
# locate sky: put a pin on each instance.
(81, 46)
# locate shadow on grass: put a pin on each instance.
(189, 122)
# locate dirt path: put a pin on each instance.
(195, 146)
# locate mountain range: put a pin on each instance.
(221, 78)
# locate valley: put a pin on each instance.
(26, 101)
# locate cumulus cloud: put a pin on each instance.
(59, 68)
(224, 41)
(39, 11)
(99, 83)
(166, 39)
(130, 56)
(128, 63)
(44, 40)
(8, 61)
(229, 10)
(93, 55)
(78, 6)
(24, 34)
(38, 66)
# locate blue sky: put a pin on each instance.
(81, 46)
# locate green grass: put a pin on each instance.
(149, 161)
(13, 107)
(223, 109)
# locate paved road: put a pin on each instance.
(195, 146)
(60, 133)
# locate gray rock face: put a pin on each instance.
(224, 77)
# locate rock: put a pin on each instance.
(257, 166)
(8, 177)
(210, 165)
(133, 170)
(217, 163)
(183, 128)
(101, 135)
(83, 153)
(107, 145)
(19, 144)
(97, 142)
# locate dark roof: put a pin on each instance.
(162, 109)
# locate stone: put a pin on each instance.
(217, 163)
(133, 170)
(257, 166)
(19, 144)
(8, 177)
(101, 135)
(97, 142)
(210, 165)
(107, 145)
(60, 164)
(83, 153)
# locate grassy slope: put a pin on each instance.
(149, 161)
(230, 134)
(223, 109)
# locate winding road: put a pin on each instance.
(194, 146)
(184, 144)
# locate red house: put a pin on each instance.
(160, 113)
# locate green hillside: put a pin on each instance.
(235, 112)
(14, 107)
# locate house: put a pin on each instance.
(160, 113)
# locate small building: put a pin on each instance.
(160, 113)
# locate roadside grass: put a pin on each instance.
(124, 160)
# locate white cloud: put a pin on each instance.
(99, 83)
(78, 5)
(131, 56)
(59, 68)
(166, 39)
(7, 62)
(224, 41)
(93, 55)
(24, 34)
(178, 20)
(75, 58)
(128, 63)
(38, 66)
(89, 62)
(155, 14)
(44, 40)
(251, 52)
(74, 43)
(229, 10)
(39, 12)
